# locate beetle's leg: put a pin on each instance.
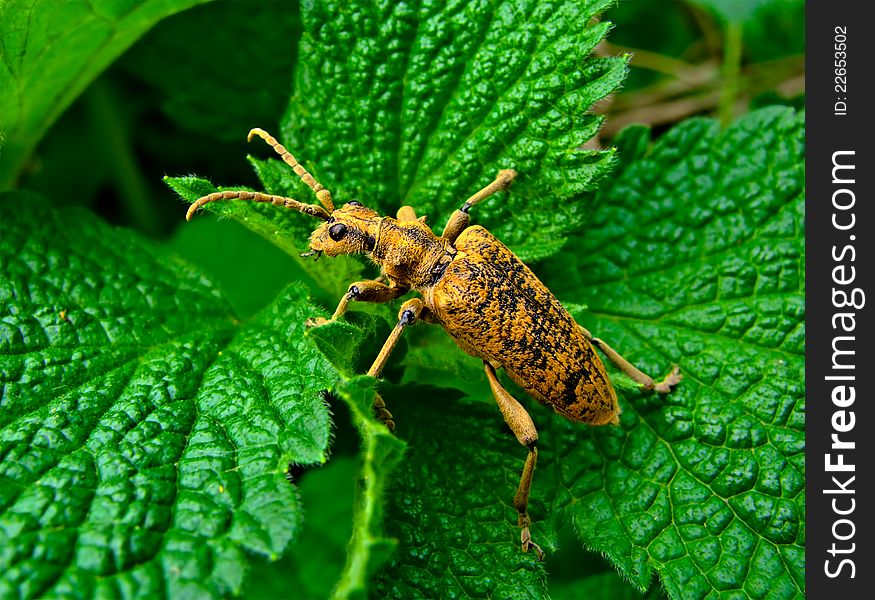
(524, 429)
(646, 381)
(459, 219)
(362, 291)
(409, 313)
(368, 291)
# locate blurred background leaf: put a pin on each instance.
(704, 58)
(51, 51)
(231, 67)
(180, 101)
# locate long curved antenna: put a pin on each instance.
(323, 195)
(308, 209)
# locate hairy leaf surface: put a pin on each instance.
(693, 256)
(696, 256)
(145, 433)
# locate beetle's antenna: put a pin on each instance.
(308, 209)
(323, 195)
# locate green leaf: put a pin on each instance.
(450, 505)
(145, 433)
(287, 229)
(312, 566)
(423, 103)
(695, 255)
(50, 51)
(369, 548)
(238, 85)
(344, 343)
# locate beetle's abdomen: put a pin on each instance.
(495, 308)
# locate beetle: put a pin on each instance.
(489, 302)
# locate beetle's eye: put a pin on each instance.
(354, 203)
(337, 231)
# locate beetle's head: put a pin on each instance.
(350, 229)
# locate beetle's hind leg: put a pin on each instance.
(524, 429)
(646, 381)
(410, 312)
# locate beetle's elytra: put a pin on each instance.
(483, 296)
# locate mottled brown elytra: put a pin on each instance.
(485, 298)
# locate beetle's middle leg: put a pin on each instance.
(362, 291)
(524, 429)
(646, 381)
(410, 312)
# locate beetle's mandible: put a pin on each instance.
(485, 298)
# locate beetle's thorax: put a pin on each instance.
(408, 252)
(411, 254)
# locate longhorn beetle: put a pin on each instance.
(483, 296)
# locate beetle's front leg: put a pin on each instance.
(362, 291)
(646, 381)
(524, 429)
(410, 312)
(459, 219)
